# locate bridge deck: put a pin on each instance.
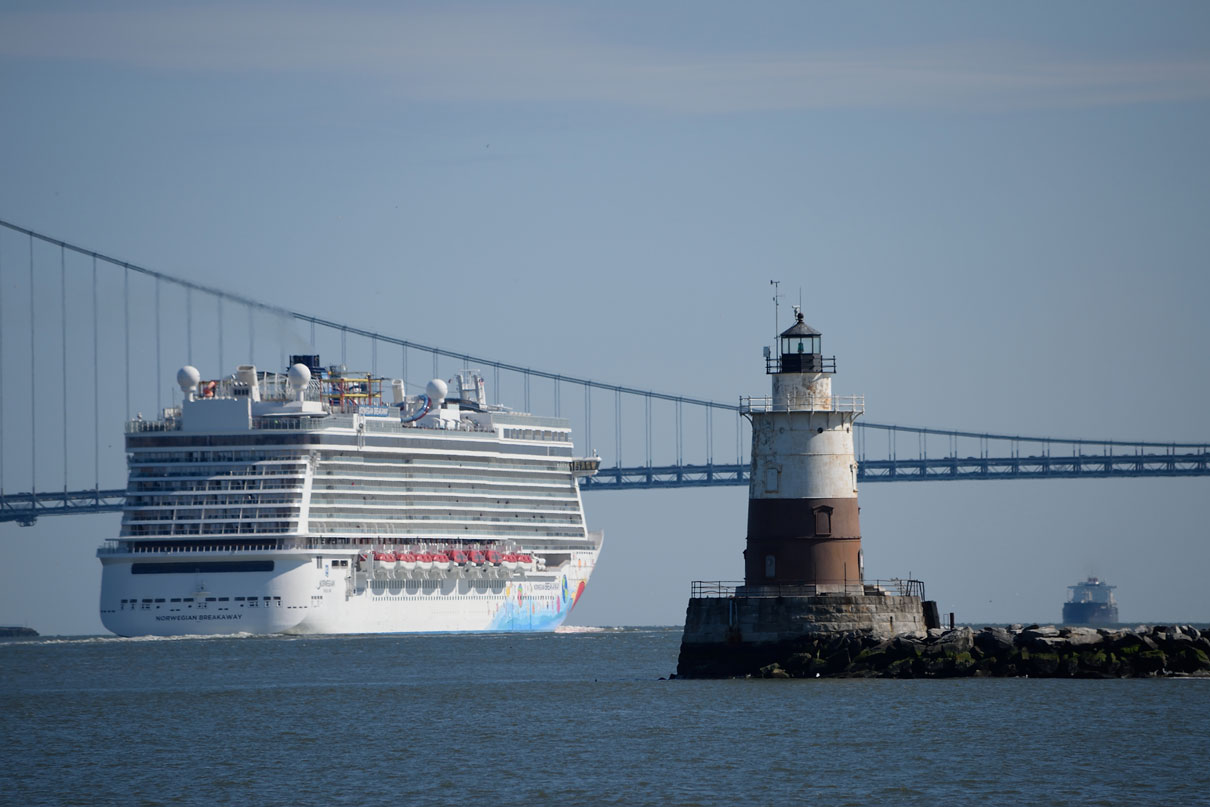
(26, 508)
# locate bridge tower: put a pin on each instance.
(803, 525)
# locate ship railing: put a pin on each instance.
(190, 548)
(139, 425)
(715, 589)
(801, 403)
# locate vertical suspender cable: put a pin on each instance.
(557, 402)
(222, 360)
(312, 334)
(344, 338)
(96, 386)
(403, 366)
(63, 316)
(709, 435)
(588, 418)
(647, 427)
(617, 426)
(436, 374)
(188, 325)
(374, 356)
(126, 325)
(159, 403)
(33, 386)
(251, 335)
(527, 409)
(1, 367)
(680, 419)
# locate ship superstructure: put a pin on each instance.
(1091, 603)
(306, 502)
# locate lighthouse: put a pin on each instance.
(803, 519)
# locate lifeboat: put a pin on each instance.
(441, 561)
(458, 557)
(407, 561)
(424, 561)
(493, 557)
(510, 561)
(475, 558)
(527, 562)
(384, 561)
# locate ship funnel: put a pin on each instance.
(397, 390)
(246, 375)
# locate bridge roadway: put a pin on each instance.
(26, 508)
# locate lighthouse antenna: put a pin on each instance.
(776, 284)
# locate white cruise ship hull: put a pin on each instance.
(311, 593)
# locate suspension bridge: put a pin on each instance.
(67, 312)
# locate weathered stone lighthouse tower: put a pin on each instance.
(803, 524)
(804, 579)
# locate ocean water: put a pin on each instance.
(577, 717)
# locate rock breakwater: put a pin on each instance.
(1017, 651)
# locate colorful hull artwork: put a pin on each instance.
(537, 607)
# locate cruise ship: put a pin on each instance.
(306, 502)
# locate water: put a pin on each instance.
(570, 718)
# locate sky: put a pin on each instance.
(995, 213)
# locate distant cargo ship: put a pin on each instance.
(1091, 603)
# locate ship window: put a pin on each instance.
(175, 599)
(161, 599)
(239, 599)
(211, 599)
(146, 600)
(187, 599)
(223, 599)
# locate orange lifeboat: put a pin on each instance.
(458, 557)
(441, 561)
(475, 558)
(424, 560)
(493, 557)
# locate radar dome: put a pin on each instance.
(299, 376)
(436, 389)
(188, 377)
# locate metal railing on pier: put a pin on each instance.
(707, 589)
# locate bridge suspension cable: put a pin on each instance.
(938, 454)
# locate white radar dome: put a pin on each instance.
(188, 377)
(436, 389)
(299, 376)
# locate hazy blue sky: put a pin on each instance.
(996, 214)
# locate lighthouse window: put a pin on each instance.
(823, 521)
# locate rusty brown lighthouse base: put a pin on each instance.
(732, 631)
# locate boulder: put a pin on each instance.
(958, 640)
(994, 641)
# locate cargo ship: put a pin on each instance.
(306, 502)
(1090, 603)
